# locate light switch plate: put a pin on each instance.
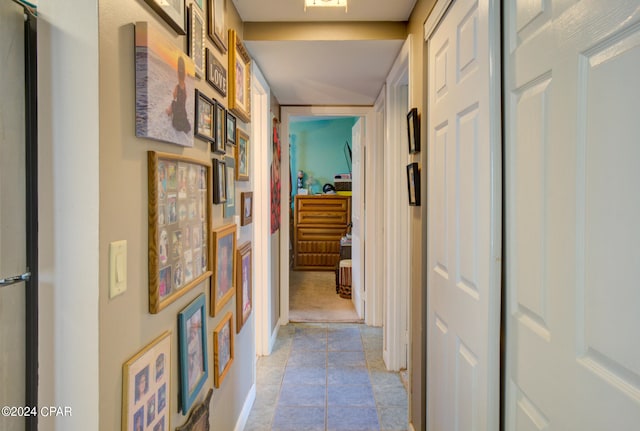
(117, 268)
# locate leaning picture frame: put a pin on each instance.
(199, 416)
(172, 12)
(216, 16)
(205, 114)
(239, 78)
(223, 284)
(413, 130)
(195, 38)
(242, 156)
(146, 386)
(246, 208)
(219, 182)
(244, 298)
(192, 341)
(223, 338)
(179, 221)
(413, 184)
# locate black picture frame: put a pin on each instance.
(204, 113)
(219, 182)
(220, 121)
(216, 73)
(413, 184)
(413, 131)
(173, 16)
(231, 128)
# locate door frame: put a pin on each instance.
(397, 246)
(373, 243)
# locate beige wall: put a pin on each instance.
(125, 323)
(418, 98)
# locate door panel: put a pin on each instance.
(12, 212)
(571, 156)
(463, 222)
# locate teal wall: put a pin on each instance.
(317, 147)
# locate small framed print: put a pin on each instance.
(172, 12)
(239, 78)
(219, 145)
(192, 338)
(216, 73)
(222, 349)
(205, 113)
(195, 38)
(216, 15)
(219, 182)
(244, 303)
(413, 184)
(146, 386)
(242, 156)
(229, 207)
(246, 210)
(224, 250)
(179, 225)
(231, 128)
(198, 418)
(413, 129)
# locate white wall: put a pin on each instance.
(68, 205)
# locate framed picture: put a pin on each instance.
(222, 349)
(413, 184)
(219, 146)
(230, 204)
(240, 78)
(231, 129)
(219, 182)
(199, 416)
(242, 155)
(200, 4)
(164, 87)
(224, 250)
(172, 12)
(413, 129)
(192, 339)
(217, 11)
(244, 303)
(179, 226)
(216, 73)
(146, 386)
(205, 112)
(195, 38)
(246, 210)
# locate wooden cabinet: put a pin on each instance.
(319, 223)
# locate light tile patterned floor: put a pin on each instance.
(327, 377)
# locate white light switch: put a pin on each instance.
(117, 268)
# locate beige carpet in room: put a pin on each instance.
(313, 298)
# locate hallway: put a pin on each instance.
(327, 377)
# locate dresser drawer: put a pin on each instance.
(320, 234)
(322, 204)
(330, 218)
(317, 261)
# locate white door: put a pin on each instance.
(464, 219)
(357, 217)
(573, 215)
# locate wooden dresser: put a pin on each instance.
(319, 223)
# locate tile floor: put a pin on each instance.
(327, 377)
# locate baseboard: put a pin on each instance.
(274, 336)
(411, 428)
(246, 409)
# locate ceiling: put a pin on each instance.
(324, 72)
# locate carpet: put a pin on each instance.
(313, 298)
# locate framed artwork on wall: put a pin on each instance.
(146, 386)
(242, 155)
(413, 129)
(246, 210)
(199, 416)
(192, 339)
(195, 38)
(231, 128)
(222, 348)
(205, 113)
(240, 78)
(219, 146)
(224, 250)
(217, 11)
(179, 225)
(164, 88)
(413, 184)
(216, 73)
(172, 12)
(244, 302)
(230, 203)
(219, 182)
